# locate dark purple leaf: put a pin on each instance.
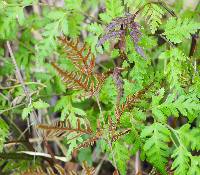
(108, 36)
(135, 34)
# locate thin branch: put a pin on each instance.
(19, 85)
(63, 159)
(33, 115)
(138, 170)
(18, 74)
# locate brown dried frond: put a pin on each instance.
(112, 125)
(91, 140)
(33, 171)
(120, 134)
(62, 129)
(87, 170)
(55, 170)
(85, 62)
(130, 101)
(78, 81)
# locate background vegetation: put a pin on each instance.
(126, 102)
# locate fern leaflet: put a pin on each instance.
(181, 162)
(176, 30)
(155, 147)
(153, 14)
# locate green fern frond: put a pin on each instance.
(153, 14)
(175, 68)
(122, 155)
(195, 166)
(176, 30)
(114, 9)
(155, 147)
(181, 161)
(184, 105)
(134, 5)
(190, 137)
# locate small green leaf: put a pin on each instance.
(40, 104)
(26, 112)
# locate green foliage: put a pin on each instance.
(174, 68)
(121, 154)
(134, 5)
(181, 162)
(114, 9)
(195, 166)
(176, 30)
(40, 104)
(185, 105)
(144, 108)
(155, 147)
(153, 14)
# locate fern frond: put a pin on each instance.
(62, 129)
(117, 28)
(118, 135)
(135, 35)
(186, 105)
(176, 30)
(91, 140)
(174, 70)
(77, 81)
(110, 35)
(122, 155)
(114, 9)
(55, 170)
(85, 62)
(181, 161)
(190, 136)
(153, 14)
(130, 101)
(155, 147)
(195, 166)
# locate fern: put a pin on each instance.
(114, 9)
(155, 147)
(195, 166)
(185, 105)
(181, 162)
(174, 70)
(62, 129)
(176, 30)
(85, 63)
(134, 5)
(122, 156)
(95, 31)
(190, 136)
(153, 14)
(77, 81)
